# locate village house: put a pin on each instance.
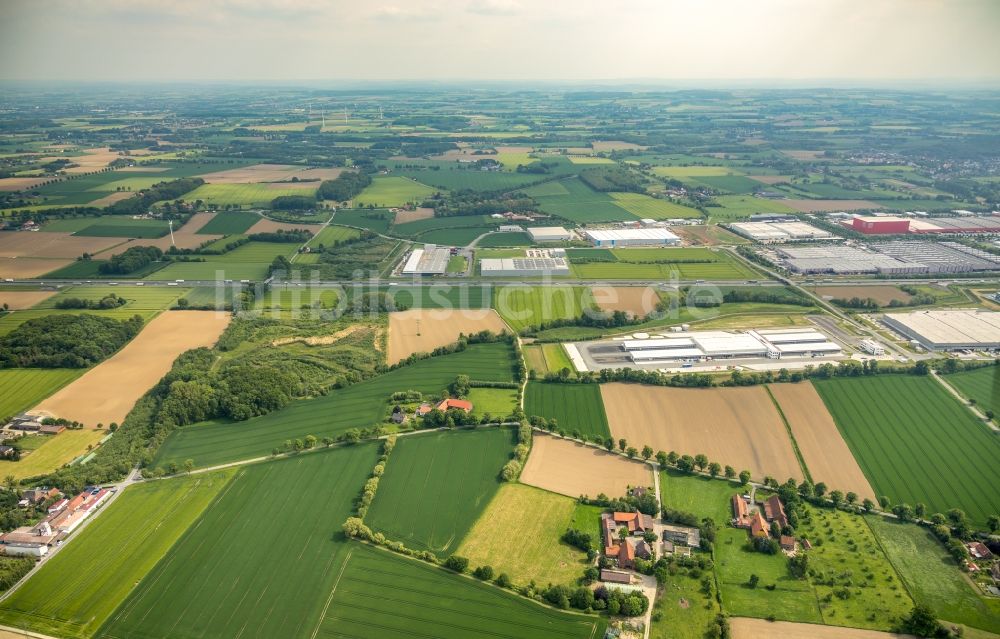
(398, 415)
(978, 550)
(774, 510)
(423, 409)
(615, 576)
(40, 494)
(743, 518)
(787, 543)
(458, 404)
(625, 551)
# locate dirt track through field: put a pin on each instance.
(638, 301)
(17, 300)
(111, 198)
(107, 392)
(745, 628)
(436, 328)
(572, 469)
(827, 456)
(735, 426)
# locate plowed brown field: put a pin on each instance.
(572, 469)
(745, 628)
(735, 426)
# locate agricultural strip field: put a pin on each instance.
(78, 589)
(385, 596)
(393, 191)
(423, 330)
(737, 207)
(217, 270)
(229, 223)
(572, 469)
(52, 245)
(357, 406)
(21, 388)
(436, 485)
(645, 207)
(107, 392)
(247, 194)
(536, 519)
(581, 204)
(739, 427)
(933, 577)
(915, 443)
(824, 451)
(524, 307)
(664, 263)
(749, 628)
(145, 302)
(225, 578)
(118, 226)
(331, 234)
(575, 407)
(981, 385)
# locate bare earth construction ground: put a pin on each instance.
(735, 426)
(572, 469)
(746, 628)
(827, 456)
(423, 330)
(107, 392)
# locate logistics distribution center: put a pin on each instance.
(778, 232)
(949, 330)
(430, 260)
(904, 257)
(611, 238)
(710, 345)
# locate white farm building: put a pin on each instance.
(632, 237)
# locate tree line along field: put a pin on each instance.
(916, 444)
(385, 596)
(262, 561)
(78, 589)
(575, 407)
(436, 484)
(356, 406)
(981, 385)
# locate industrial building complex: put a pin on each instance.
(430, 260)
(903, 257)
(706, 345)
(898, 225)
(778, 232)
(632, 237)
(535, 262)
(549, 234)
(949, 330)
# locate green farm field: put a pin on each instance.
(933, 577)
(916, 443)
(331, 234)
(22, 388)
(393, 191)
(575, 407)
(244, 194)
(357, 406)
(524, 307)
(582, 204)
(78, 589)
(377, 220)
(109, 226)
(664, 263)
(436, 485)
(505, 239)
(211, 270)
(229, 223)
(257, 252)
(737, 207)
(385, 596)
(645, 206)
(145, 302)
(537, 518)
(498, 402)
(298, 503)
(981, 385)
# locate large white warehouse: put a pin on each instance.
(702, 345)
(549, 234)
(632, 237)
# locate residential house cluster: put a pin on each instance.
(983, 559)
(756, 519)
(625, 549)
(28, 423)
(63, 517)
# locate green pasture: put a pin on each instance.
(523, 307)
(244, 194)
(229, 223)
(583, 205)
(575, 407)
(393, 191)
(645, 206)
(498, 402)
(357, 406)
(436, 485)
(916, 443)
(78, 589)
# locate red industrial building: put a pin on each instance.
(881, 225)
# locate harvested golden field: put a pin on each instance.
(746, 628)
(107, 392)
(319, 174)
(823, 449)
(111, 198)
(20, 183)
(270, 226)
(881, 294)
(91, 160)
(771, 179)
(573, 469)
(252, 174)
(186, 236)
(811, 206)
(17, 300)
(28, 267)
(735, 426)
(637, 301)
(43, 244)
(438, 327)
(421, 213)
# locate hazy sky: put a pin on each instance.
(499, 39)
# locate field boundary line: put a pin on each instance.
(965, 401)
(333, 591)
(791, 434)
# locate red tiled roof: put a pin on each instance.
(787, 541)
(758, 527)
(460, 404)
(739, 507)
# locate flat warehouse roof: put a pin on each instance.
(811, 347)
(643, 344)
(669, 353)
(950, 327)
(781, 338)
(631, 234)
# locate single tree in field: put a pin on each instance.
(819, 489)
(868, 505)
(852, 497)
(672, 457)
(661, 458)
(609, 444)
(920, 510)
(883, 501)
(836, 497)
(753, 581)
(631, 452)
